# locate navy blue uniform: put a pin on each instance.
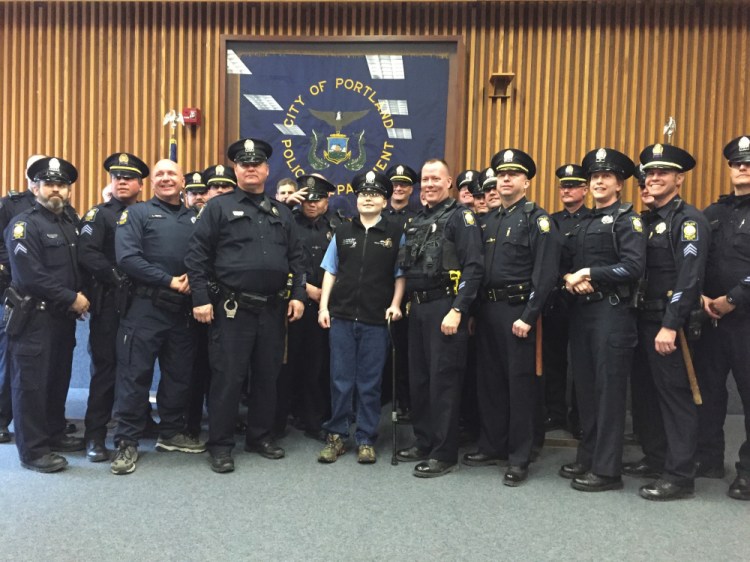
(43, 257)
(678, 242)
(556, 335)
(522, 253)
(307, 368)
(249, 245)
(724, 344)
(10, 206)
(96, 256)
(150, 244)
(612, 243)
(437, 362)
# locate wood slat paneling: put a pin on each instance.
(84, 79)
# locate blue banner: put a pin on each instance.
(343, 115)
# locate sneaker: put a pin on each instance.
(125, 458)
(180, 442)
(333, 450)
(366, 454)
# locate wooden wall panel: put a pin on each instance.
(84, 79)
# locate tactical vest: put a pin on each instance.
(427, 253)
(661, 265)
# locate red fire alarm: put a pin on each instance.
(191, 115)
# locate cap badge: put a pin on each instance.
(601, 155)
(400, 170)
(370, 177)
(490, 173)
(196, 177)
(657, 151)
(219, 170)
(743, 144)
(123, 159)
(569, 170)
(469, 175)
(249, 146)
(508, 156)
(310, 182)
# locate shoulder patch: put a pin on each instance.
(123, 217)
(689, 231)
(637, 224)
(469, 219)
(543, 223)
(19, 230)
(89, 217)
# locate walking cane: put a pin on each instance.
(394, 413)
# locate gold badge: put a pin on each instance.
(660, 228)
(508, 156)
(19, 230)
(196, 177)
(123, 159)
(569, 170)
(637, 224)
(469, 218)
(275, 211)
(219, 170)
(123, 217)
(657, 151)
(689, 231)
(543, 223)
(400, 170)
(91, 215)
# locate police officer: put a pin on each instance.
(44, 300)
(465, 183)
(609, 255)
(521, 251)
(307, 369)
(399, 210)
(488, 181)
(10, 205)
(678, 241)
(724, 344)
(250, 243)
(150, 244)
(573, 189)
(96, 256)
(196, 192)
(442, 260)
(219, 179)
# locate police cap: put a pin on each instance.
(466, 178)
(738, 150)
(666, 157)
(194, 183)
(54, 170)
(126, 165)
(488, 179)
(640, 175)
(252, 151)
(401, 173)
(373, 181)
(514, 159)
(608, 160)
(219, 174)
(317, 187)
(570, 175)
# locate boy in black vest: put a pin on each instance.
(362, 287)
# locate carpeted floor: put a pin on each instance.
(174, 508)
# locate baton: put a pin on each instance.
(697, 398)
(539, 362)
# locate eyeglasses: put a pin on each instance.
(738, 165)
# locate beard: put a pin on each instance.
(54, 204)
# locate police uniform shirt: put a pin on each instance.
(402, 216)
(10, 206)
(151, 240)
(462, 230)
(728, 267)
(566, 222)
(612, 244)
(677, 248)
(43, 256)
(315, 235)
(521, 246)
(96, 243)
(250, 242)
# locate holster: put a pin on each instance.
(170, 300)
(123, 296)
(17, 310)
(695, 324)
(96, 292)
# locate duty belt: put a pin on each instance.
(249, 301)
(515, 293)
(164, 298)
(421, 297)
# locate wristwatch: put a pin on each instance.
(456, 309)
(730, 300)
